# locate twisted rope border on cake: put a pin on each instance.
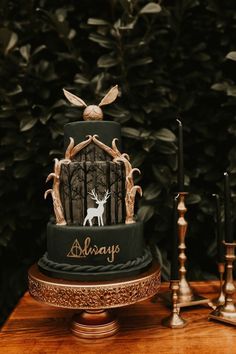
(89, 268)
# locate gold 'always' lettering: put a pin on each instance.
(81, 251)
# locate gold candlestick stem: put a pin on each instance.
(174, 320)
(227, 312)
(185, 291)
(220, 300)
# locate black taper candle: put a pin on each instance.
(219, 233)
(228, 228)
(180, 157)
(174, 274)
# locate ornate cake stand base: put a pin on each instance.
(94, 324)
(95, 298)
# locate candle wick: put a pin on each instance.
(179, 121)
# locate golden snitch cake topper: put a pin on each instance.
(93, 112)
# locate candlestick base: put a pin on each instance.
(195, 300)
(174, 321)
(218, 315)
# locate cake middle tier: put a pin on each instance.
(95, 253)
(80, 180)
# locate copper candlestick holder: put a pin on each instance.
(186, 296)
(220, 300)
(227, 312)
(174, 320)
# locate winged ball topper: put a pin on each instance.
(93, 112)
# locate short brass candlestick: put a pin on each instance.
(174, 320)
(186, 296)
(220, 300)
(227, 312)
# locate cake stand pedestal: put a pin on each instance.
(94, 298)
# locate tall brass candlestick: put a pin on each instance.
(186, 296)
(227, 312)
(185, 291)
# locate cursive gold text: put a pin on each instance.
(81, 251)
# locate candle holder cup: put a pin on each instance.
(227, 312)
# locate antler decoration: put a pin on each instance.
(55, 191)
(72, 150)
(131, 189)
(93, 112)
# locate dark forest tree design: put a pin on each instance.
(90, 169)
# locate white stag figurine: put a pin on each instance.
(96, 212)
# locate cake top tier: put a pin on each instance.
(105, 130)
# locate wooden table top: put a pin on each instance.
(34, 327)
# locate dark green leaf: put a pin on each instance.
(101, 40)
(8, 39)
(151, 8)
(231, 56)
(165, 135)
(131, 133)
(97, 22)
(152, 192)
(21, 170)
(140, 62)
(106, 61)
(27, 124)
(21, 155)
(220, 86)
(145, 212)
(193, 198)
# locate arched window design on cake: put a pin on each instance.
(93, 185)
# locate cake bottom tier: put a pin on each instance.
(95, 253)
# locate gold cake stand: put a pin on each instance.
(94, 298)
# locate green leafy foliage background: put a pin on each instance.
(169, 59)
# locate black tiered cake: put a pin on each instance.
(95, 236)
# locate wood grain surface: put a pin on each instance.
(37, 328)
